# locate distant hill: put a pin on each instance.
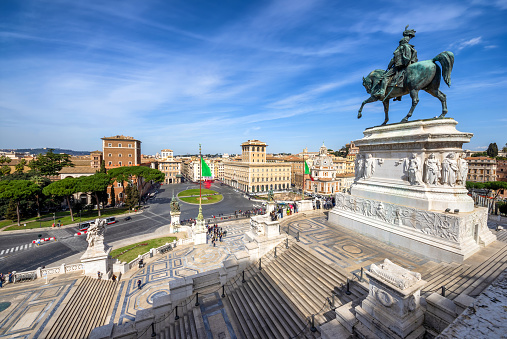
(44, 150)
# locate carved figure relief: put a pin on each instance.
(462, 170)
(96, 232)
(413, 169)
(369, 166)
(433, 170)
(359, 169)
(440, 225)
(449, 170)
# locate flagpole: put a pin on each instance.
(200, 180)
(303, 186)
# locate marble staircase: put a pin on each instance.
(189, 324)
(85, 309)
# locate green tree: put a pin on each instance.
(95, 184)
(17, 190)
(120, 175)
(492, 150)
(144, 175)
(11, 213)
(19, 168)
(113, 198)
(4, 170)
(63, 188)
(102, 167)
(4, 160)
(132, 198)
(50, 163)
(41, 182)
(504, 149)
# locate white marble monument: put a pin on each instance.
(96, 258)
(392, 308)
(199, 231)
(410, 191)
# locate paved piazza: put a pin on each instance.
(186, 261)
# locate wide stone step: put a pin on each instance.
(482, 274)
(294, 292)
(86, 309)
(242, 312)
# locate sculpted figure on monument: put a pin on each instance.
(463, 170)
(96, 232)
(433, 170)
(271, 195)
(175, 205)
(450, 170)
(406, 75)
(404, 55)
(359, 169)
(413, 169)
(369, 167)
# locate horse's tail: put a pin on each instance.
(446, 59)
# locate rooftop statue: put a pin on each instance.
(406, 75)
(96, 232)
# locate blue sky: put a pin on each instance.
(174, 74)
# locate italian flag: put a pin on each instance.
(307, 170)
(206, 173)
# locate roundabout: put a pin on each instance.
(191, 196)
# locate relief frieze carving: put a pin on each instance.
(446, 226)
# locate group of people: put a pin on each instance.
(3, 278)
(326, 203)
(215, 233)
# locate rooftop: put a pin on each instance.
(119, 137)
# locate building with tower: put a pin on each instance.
(253, 173)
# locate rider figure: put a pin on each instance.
(404, 56)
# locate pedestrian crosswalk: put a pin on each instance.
(15, 249)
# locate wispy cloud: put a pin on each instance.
(458, 46)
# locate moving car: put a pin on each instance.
(111, 220)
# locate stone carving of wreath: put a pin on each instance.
(411, 304)
(384, 298)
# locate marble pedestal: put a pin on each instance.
(409, 191)
(304, 205)
(263, 236)
(97, 259)
(175, 221)
(199, 233)
(392, 308)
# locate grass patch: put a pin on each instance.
(4, 223)
(209, 199)
(64, 218)
(195, 191)
(133, 250)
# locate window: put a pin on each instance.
(119, 163)
(130, 155)
(109, 145)
(119, 184)
(130, 145)
(130, 162)
(119, 155)
(110, 163)
(119, 145)
(109, 155)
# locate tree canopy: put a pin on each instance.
(50, 163)
(492, 150)
(17, 190)
(63, 188)
(95, 184)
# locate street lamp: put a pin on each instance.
(54, 218)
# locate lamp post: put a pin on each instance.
(54, 218)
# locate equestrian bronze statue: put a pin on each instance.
(406, 75)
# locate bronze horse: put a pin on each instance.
(423, 75)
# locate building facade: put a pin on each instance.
(121, 151)
(481, 169)
(253, 173)
(501, 170)
(171, 169)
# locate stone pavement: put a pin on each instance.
(181, 262)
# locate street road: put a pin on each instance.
(16, 253)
